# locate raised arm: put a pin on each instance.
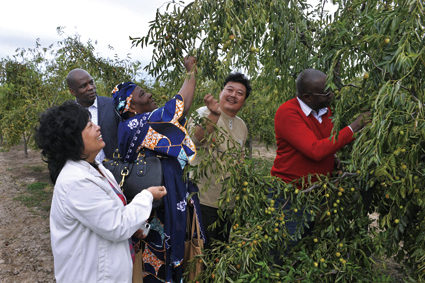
(188, 88)
(215, 112)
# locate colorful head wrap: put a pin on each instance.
(122, 96)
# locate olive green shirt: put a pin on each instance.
(237, 130)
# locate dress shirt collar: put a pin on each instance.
(307, 110)
(94, 105)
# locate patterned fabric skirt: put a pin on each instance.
(164, 246)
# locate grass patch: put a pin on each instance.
(36, 168)
(38, 195)
(262, 165)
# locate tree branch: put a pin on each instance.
(412, 93)
(373, 62)
(352, 85)
(337, 179)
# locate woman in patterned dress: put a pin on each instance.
(160, 131)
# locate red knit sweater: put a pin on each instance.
(303, 144)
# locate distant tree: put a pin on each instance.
(22, 92)
(33, 79)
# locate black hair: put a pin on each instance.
(305, 79)
(239, 78)
(59, 135)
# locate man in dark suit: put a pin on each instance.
(101, 108)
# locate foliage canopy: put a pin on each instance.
(374, 55)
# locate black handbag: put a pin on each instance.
(133, 177)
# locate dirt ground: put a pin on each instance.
(260, 150)
(25, 254)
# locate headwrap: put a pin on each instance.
(122, 96)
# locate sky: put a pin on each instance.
(108, 22)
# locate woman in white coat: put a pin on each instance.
(90, 221)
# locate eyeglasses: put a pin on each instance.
(321, 94)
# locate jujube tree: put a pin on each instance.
(373, 53)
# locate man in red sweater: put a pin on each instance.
(303, 127)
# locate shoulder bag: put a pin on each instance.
(133, 177)
(193, 247)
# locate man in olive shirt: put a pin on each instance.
(220, 114)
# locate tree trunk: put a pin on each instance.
(25, 145)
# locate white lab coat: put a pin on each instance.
(90, 226)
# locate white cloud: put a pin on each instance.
(109, 22)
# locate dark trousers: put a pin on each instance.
(220, 232)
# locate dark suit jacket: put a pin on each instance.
(108, 120)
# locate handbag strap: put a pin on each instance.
(195, 222)
(188, 223)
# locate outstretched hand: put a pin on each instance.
(212, 104)
(157, 192)
(362, 120)
(190, 63)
